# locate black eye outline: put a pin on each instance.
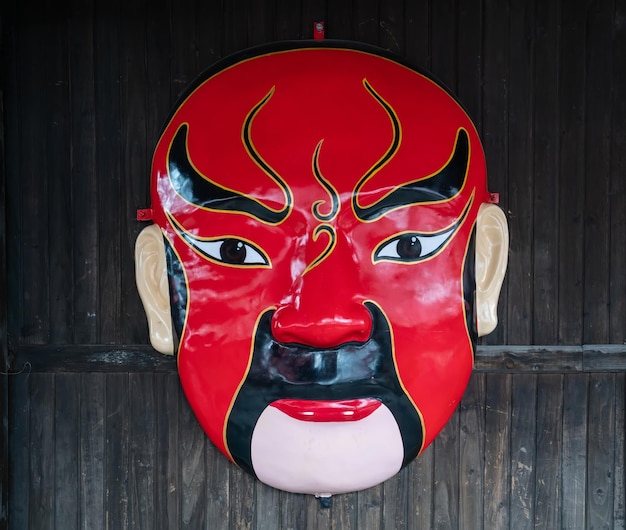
(215, 249)
(230, 251)
(415, 246)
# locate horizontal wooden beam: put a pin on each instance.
(489, 359)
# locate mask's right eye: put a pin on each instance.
(231, 251)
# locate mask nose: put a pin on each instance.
(322, 311)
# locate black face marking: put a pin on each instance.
(350, 371)
(199, 191)
(443, 185)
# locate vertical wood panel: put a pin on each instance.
(600, 455)
(472, 453)
(92, 435)
(574, 451)
(417, 21)
(619, 467)
(242, 498)
(617, 190)
(391, 25)
(446, 476)
(520, 187)
(469, 53)
(549, 444)
(420, 508)
(572, 171)
(167, 468)
(366, 19)
(395, 498)
(287, 15)
(85, 214)
(497, 450)
(597, 167)
(495, 122)
(19, 451)
(523, 450)
(41, 495)
(443, 46)
(67, 469)
(108, 167)
(545, 171)
(59, 178)
(344, 514)
(117, 462)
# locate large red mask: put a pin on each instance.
(318, 205)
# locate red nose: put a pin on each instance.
(322, 327)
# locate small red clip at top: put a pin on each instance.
(494, 198)
(144, 214)
(318, 30)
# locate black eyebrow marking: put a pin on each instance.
(204, 193)
(442, 186)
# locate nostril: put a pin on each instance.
(290, 325)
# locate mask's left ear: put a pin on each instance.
(152, 284)
(492, 251)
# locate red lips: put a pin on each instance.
(327, 411)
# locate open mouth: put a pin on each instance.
(325, 411)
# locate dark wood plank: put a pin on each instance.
(19, 442)
(446, 476)
(619, 495)
(193, 474)
(367, 22)
(67, 444)
(604, 358)
(135, 163)
(108, 168)
(218, 489)
(496, 86)
(601, 452)
(117, 461)
(549, 443)
(469, 54)
(443, 48)
(242, 498)
(518, 200)
(529, 358)
(471, 454)
(391, 25)
(58, 131)
(545, 170)
(267, 507)
(41, 475)
(395, 501)
(209, 33)
(344, 511)
(34, 324)
(312, 11)
(261, 20)
(234, 19)
(92, 395)
(340, 20)
(417, 41)
(523, 451)
(84, 184)
(287, 17)
(574, 451)
(317, 518)
(420, 476)
(597, 172)
(142, 440)
(572, 171)
(183, 62)
(617, 191)
(167, 468)
(370, 508)
(497, 451)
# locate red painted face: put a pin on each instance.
(318, 205)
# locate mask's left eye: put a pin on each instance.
(230, 251)
(413, 246)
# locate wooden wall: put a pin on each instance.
(99, 433)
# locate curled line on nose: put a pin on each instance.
(332, 242)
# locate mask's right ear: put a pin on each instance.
(492, 252)
(152, 284)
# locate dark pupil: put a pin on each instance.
(233, 251)
(409, 247)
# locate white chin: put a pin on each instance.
(326, 458)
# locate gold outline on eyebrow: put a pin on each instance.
(187, 238)
(388, 155)
(330, 246)
(267, 215)
(332, 191)
(454, 226)
(246, 138)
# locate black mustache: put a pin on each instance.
(295, 371)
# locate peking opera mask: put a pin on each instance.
(323, 257)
